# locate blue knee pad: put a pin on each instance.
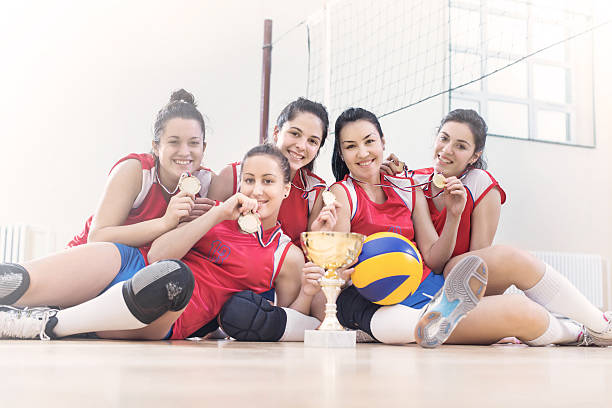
(247, 316)
(158, 288)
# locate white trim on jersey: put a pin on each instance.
(350, 188)
(311, 183)
(478, 182)
(148, 178)
(403, 183)
(279, 253)
(421, 178)
(205, 177)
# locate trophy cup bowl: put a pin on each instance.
(331, 250)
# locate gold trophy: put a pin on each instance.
(331, 250)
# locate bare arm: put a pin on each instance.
(222, 185)
(288, 283)
(176, 243)
(343, 209)
(316, 209)
(437, 250)
(123, 186)
(485, 219)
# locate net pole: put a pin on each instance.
(266, 67)
(327, 89)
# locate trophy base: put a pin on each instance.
(328, 338)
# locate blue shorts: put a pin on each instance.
(131, 262)
(430, 286)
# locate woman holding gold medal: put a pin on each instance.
(141, 202)
(175, 299)
(300, 132)
(358, 149)
(142, 198)
(458, 152)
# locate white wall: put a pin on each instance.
(81, 83)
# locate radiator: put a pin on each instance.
(588, 272)
(13, 243)
(19, 243)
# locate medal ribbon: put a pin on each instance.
(272, 237)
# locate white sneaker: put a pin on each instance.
(603, 338)
(26, 323)
(463, 288)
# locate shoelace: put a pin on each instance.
(25, 323)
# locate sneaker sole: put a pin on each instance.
(462, 290)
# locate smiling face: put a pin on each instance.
(454, 149)
(262, 179)
(362, 147)
(299, 139)
(180, 149)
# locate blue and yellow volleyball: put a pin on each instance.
(389, 268)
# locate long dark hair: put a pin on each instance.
(477, 126)
(302, 105)
(339, 167)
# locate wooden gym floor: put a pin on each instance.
(224, 373)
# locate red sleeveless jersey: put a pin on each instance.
(296, 208)
(226, 261)
(394, 215)
(478, 183)
(150, 202)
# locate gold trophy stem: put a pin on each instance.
(330, 285)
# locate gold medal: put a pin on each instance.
(189, 184)
(439, 180)
(249, 223)
(328, 197)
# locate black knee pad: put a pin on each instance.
(14, 281)
(355, 311)
(248, 316)
(158, 288)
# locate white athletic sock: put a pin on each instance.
(558, 295)
(105, 312)
(297, 323)
(559, 331)
(395, 324)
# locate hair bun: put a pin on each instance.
(182, 96)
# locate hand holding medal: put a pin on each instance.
(439, 180)
(249, 223)
(189, 184)
(327, 218)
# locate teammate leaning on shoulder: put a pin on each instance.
(141, 199)
(300, 132)
(496, 316)
(156, 301)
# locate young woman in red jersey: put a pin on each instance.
(359, 146)
(219, 259)
(300, 132)
(141, 200)
(458, 152)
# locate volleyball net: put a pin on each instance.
(388, 55)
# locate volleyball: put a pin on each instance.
(389, 268)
